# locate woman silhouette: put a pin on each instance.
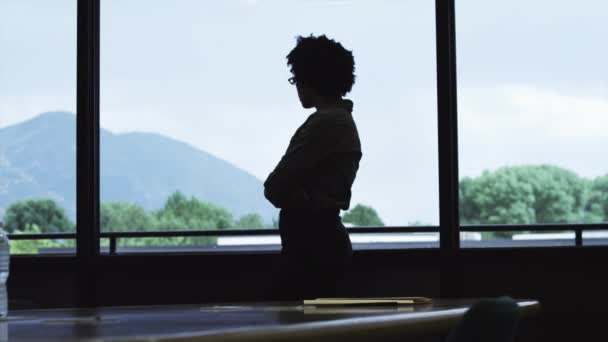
(313, 180)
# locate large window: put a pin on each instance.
(38, 122)
(196, 111)
(533, 108)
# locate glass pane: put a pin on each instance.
(533, 108)
(197, 111)
(38, 121)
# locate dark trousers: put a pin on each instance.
(316, 254)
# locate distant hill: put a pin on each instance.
(38, 160)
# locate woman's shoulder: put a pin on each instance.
(336, 117)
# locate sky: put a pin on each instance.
(532, 82)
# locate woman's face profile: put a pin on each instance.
(306, 95)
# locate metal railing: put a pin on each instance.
(562, 227)
(113, 237)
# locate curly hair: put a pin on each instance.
(323, 64)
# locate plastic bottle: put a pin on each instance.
(4, 269)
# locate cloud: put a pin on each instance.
(251, 2)
(18, 107)
(563, 115)
(526, 124)
(526, 108)
(325, 3)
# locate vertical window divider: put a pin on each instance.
(449, 237)
(87, 150)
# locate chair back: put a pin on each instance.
(489, 320)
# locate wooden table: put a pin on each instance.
(269, 321)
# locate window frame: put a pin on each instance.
(88, 127)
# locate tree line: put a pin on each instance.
(529, 194)
(533, 194)
(179, 212)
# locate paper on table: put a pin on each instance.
(355, 309)
(366, 301)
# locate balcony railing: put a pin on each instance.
(113, 237)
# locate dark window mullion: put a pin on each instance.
(87, 149)
(447, 126)
(87, 130)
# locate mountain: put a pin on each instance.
(38, 160)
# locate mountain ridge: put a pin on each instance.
(135, 167)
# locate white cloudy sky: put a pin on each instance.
(533, 83)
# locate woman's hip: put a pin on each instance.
(314, 237)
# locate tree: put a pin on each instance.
(523, 195)
(43, 213)
(33, 246)
(180, 212)
(597, 206)
(125, 217)
(249, 221)
(362, 215)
